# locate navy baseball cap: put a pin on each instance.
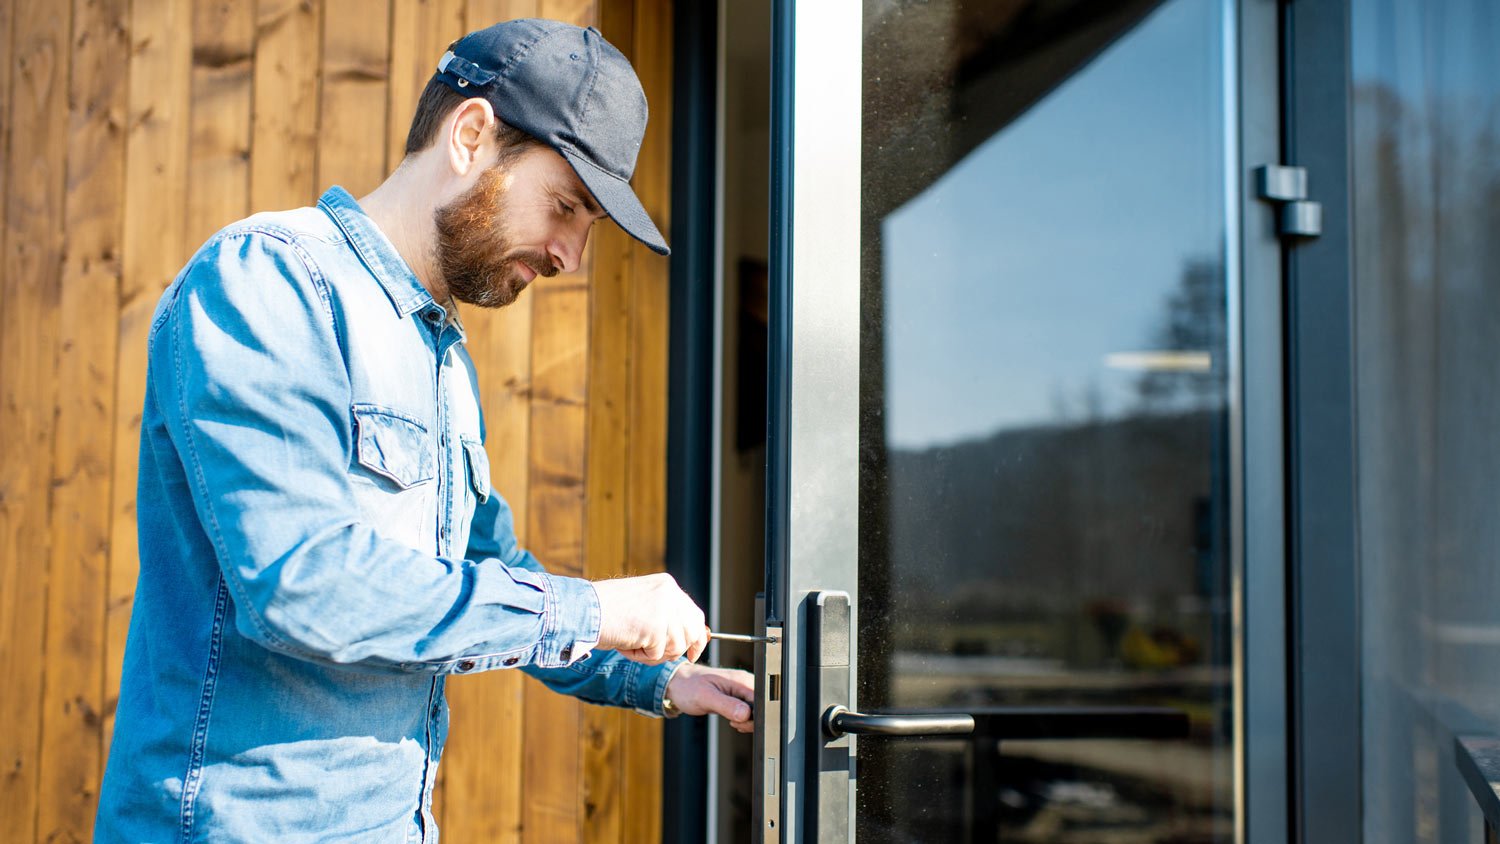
(570, 89)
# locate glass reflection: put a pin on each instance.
(1426, 188)
(1043, 504)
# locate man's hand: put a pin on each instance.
(649, 619)
(699, 690)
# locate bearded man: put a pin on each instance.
(320, 544)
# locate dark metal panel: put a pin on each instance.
(778, 386)
(690, 379)
(1478, 759)
(779, 303)
(1322, 484)
(1259, 420)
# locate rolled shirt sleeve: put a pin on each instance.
(602, 677)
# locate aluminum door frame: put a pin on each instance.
(813, 378)
(1257, 426)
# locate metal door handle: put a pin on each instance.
(839, 721)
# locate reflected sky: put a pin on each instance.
(1059, 242)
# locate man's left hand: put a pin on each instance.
(727, 692)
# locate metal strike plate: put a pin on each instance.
(765, 795)
(1279, 183)
(830, 759)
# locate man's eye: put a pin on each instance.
(564, 207)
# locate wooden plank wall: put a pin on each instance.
(130, 130)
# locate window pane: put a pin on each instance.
(1426, 114)
(1044, 453)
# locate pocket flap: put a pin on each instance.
(392, 445)
(479, 469)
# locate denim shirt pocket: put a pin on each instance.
(479, 468)
(393, 445)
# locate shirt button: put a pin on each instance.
(567, 653)
(512, 661)
(466, 665)
(433, 317)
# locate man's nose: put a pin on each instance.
(566, 250)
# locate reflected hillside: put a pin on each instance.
(1016, 523)
(1072, 540)
(1078, 562)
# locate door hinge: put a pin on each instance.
(1286, 188)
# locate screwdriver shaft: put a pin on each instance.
(740, 637)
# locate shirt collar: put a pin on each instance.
(376, 251)
(451, 307)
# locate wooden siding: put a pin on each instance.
(130, 130)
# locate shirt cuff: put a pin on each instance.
(649, 685)
(570, 620)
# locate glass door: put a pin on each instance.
(1011, 359)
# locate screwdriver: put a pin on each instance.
(741, 637)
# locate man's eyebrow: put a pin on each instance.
(578, 192)
(587, 201)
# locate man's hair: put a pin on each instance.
(437, 102)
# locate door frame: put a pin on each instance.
(689, 778)
(1326, 781)
(813, 416)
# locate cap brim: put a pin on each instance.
(619, 202)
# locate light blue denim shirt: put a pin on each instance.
(320, 548)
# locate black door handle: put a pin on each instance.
(839, 721)
(1014, 722)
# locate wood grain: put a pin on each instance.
(606, 803)
(28, 343)
(352, 117)
(425, 28)
(483, 13)
(647, 545)
(608, 447)
(559, 374)
(93, 206)
(220, 109)
(284, 127)
(576, 12)
(7, 17)
(550, 772)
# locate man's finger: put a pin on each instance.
(676, 645)
(699, 643)
(728, 707)
(740, 684)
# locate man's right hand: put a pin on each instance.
(649, 619)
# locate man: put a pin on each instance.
(320, 545)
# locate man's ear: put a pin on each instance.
(469, 131)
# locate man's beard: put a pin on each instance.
(474, 249)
